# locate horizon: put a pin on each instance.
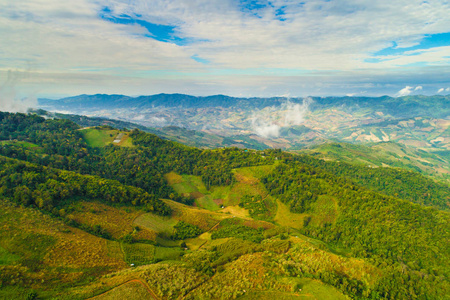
(216, 95)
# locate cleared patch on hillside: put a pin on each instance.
(138, 254)
(285, 217)
(324, 210)
(202, 218)
(117, 221)
(156, 223)
(306, 253)
(99, 137)
(193, 187)
(130, 290)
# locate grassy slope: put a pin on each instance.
(383, 155)
(100, 137)
(46, 255)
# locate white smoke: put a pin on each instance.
(266, 130)
(8, 95)
(268, 122)
(295, 112)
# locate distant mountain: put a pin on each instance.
(406, 107)
(417, 121)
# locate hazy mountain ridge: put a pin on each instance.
(418, 121)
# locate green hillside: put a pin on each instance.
(385, 154)
(83, 216)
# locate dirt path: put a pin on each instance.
(212, 228)
(118, 138)
(151, 293)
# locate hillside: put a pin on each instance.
(385, 154)
(107, 213)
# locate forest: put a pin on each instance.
(394, 220)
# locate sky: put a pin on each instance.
(244, 48)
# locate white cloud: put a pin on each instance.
(405, 91)
(443, 90)
(71, 40)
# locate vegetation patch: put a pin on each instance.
(185, 230)
(239, 231)
(117, 221)
(168, 253)
(7, 257)
(201, 218)
(156, 223)
(99, 137)
(129, 290)
(138, 254)
(285, 217)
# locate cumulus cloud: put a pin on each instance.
(269, 121)
(407, 90)
(74, 40)
(443, 90)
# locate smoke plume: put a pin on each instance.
(8, 95)
(269, 121)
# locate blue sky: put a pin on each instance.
(234, 47)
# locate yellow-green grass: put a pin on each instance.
(156, 223)
(166, 242)
(7, 257)
(192, 186)
(285, 217)
(216, 196)
(196, 243)
(308, 289)
(99, 137)
(138, 254)
(257, 171)
(126, 141)
(237, 211)
(129, 290)
(246, 184)
(307, 252)
(270, 295)
(115, 250)
(186, 184)
(117, 221)
(312, 291)
(202, 218)
(166, 253)
(23, 144)
(51, 254)
(324, 210)
(173, 178)
(207, 202)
